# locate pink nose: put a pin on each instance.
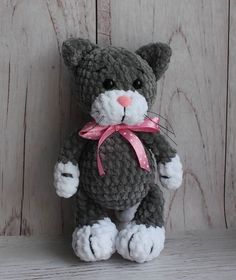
(124, 101)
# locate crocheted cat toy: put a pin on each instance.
(111, 162)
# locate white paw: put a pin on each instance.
(140, 243)
(66, 179)
(96, 242)
(171, 173)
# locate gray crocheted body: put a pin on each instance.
(101, 76)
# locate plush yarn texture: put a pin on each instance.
(108, 75)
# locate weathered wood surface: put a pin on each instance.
(35, 108)
(195, 256)
(230, 175)
(36, 111)
(104, 22)
(192, 95)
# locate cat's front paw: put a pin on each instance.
(66, 179)
(171, 173)
(96, 242)
(140, 243)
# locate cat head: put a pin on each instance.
(113, 84)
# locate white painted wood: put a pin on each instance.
(196, 256)
(35, 109)
(230, 176)
(192, 95)
(104, 22)
(14, 73)
(59, 20)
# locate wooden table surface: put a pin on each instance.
(191, 255)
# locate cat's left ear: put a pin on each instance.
(157, 56)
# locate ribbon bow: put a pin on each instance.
(94, 131)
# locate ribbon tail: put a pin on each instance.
(105, 135)
(99, 165)
(138, 147)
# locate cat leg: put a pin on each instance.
(143, 238)
(125, 216)
(94, 236)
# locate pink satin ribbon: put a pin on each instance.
(93, 131)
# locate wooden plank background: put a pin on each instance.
(197, 95)
(230, 175)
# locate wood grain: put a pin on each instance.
(103, 22)
(14, 74)
(195, 256)
(61, 19)
(230, 175)
(36, 108)
(192, 95)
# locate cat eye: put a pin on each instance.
(137, 84)
(108, 84)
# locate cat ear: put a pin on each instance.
(157, 56)
(73, 50)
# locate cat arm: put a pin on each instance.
(168, 162)
(66, 171)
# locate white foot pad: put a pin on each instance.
(96, 242)
(140, 243)
(171, 173)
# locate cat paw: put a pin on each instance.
(140, 243)
(66, 179)
(171, 173)
(96, 242)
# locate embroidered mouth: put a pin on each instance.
(123, 116)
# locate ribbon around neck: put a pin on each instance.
(94, 131)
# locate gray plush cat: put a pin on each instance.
(110, 164)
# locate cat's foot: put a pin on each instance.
(171, 173)
(96, 242)
(140, 243)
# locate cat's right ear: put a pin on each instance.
(73, 50)
(157, 55)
